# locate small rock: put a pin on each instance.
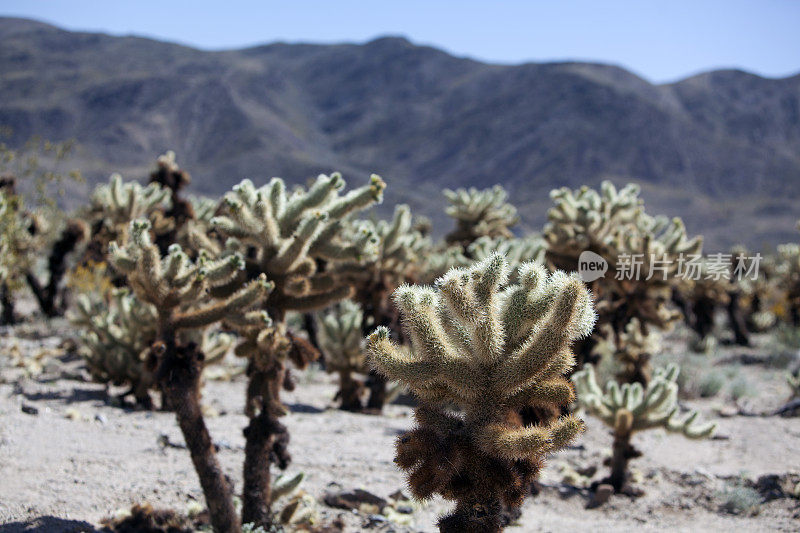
(404, 509)
(29, 409)
(375, 519)
(72, 414)
(728, 411)
(353, 499)
(99, 417)
(602, 495)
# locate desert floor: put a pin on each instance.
(70, 456)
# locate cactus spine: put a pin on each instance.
(488, 349)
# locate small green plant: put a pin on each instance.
(740, 388)
(737, 498)
(482, 350)
(711, 384)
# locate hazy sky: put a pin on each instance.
(660, 40)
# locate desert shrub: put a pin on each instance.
(739, 499)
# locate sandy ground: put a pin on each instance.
(80, 458)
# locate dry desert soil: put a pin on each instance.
(70, 455)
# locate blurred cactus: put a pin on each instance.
(398, 259)
(299, 240)
(340, 337)
(644, 254)
(632, 350)
(116, 339)
(27, 235)
(528, 249)
(794, 384)
(585, 219)
(479, 213)
(114, 205)
(788, 273)
(19, 241)
(488, 349)
(178, 289)
(630, 408)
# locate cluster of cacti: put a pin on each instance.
(114, 205)
(517, 251)
(299, 241)
(485, 350)
(488, 348)
(27, 235)
(479, 213)
(179, 290)
(398, 259)
(630, 408)
(18, 243)
(644, 255)
(116, 336)
(788, 271)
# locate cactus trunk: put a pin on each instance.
(622, 452)
(476, 515)
(265, 443)
(180, 369)
(376, 384)
(349, 392)
(736, 317)
(6, 300)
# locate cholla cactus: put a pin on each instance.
(340, 337)
(630, 408)
(488, 349)
(114, 205)
(295, 505)
(19, 244)
(172, 178)
(289, 236)
(116, 339)
(400, 251)
(479, 213)
(441, 259)
(643, 252)
(528, 249)
(788, 271)
(585, 220)
(178, 288)
(632, 351)
(660, 243)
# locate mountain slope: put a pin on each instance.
(721, 149)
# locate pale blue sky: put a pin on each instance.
(660, 40)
